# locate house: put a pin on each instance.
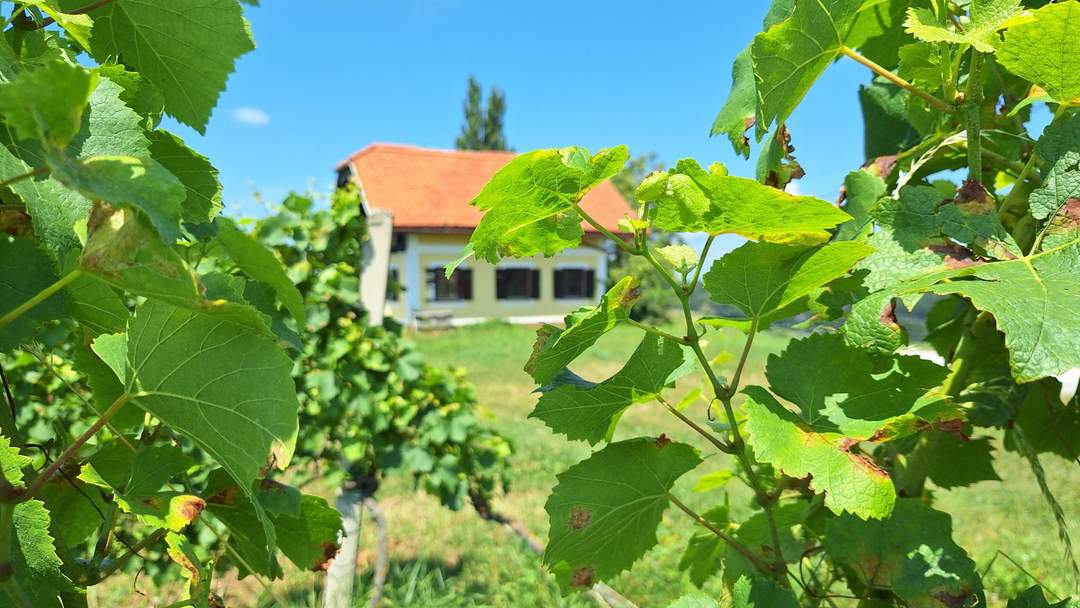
(427, 194)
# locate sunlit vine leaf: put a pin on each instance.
(862, 191)
(980, 30)
(186, 48)
(1044, 50)
(789, 57)
(910, 553)
(260, 264)
(194, 171)
(764, 279)
(1060, 147)
(529, 205)
(690, 199)
(556, 347)
(604, 511)
(585, 410)
(53, 117)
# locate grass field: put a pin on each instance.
(441, 558)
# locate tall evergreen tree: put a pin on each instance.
(482, 130)
(472, 132)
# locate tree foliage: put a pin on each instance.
(844, 438)
(483, 127)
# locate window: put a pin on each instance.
(393, 285)
(398, 242)
(575, 283)
(441, 289)
(517, 284)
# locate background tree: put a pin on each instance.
(482, 129)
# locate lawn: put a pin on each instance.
(442, 558)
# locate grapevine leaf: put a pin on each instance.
(1044, 50)
(96, 306)
(112, 350)
(1040, 345)
(310, 538)
(705, 552)
(529, 205)
(77, 26)
(605, 510)
(259, 262)
(198, 576)
(1049, 425)
(137, 93)
(681, 258)
(1033, 597)
(789, 57)
(1059, 146)
(689, 199)
(73, 508)
(851, 482)
(980, 31)
(737, 115)
(169, 510)
(47, 103)
(186, 48)
(961, 463)
(884, 110)
(911, 553)
(199, 177)
(761, 279)
(107, 388)
(35, 566)
(758, 592)
(555, 348)
(839, 389)
(24, 272)
(862, 191)
(124, 251)
(877, 31)
(206, 377)
(585, 410)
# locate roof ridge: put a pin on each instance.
(415, 149)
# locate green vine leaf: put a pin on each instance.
(186, 48)
(25, 271)
(309, 538)
(46, 104)
(980, 31)
(198, 576)
(851, 482)
(605, 510)
(94, 304)
(1050, 426)
(737, 115)
(555, 347)
(529, 205)
(260, 264)
(585, 410)
(789, 57)
(35, 566)
(1059, 146)
(1043, 50)
(959, 463)
(1033, 597)
(198, 176)
(911, 553)
(862, 191)
(758, 592)
(690, 199)
(77, 26)
(765, 280)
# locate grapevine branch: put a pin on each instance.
(738, 446)
(701, 262)
(74, 448)
(973, 98)
(898, 81)
(29, 175)
(43, 295)
(754, 558)
(720, 445)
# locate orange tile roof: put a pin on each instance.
(429, 189)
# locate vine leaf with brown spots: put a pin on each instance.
(605, 509)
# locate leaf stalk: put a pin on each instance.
(43, 295)
(898, 81)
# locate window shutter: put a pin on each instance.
(465, 284)
(590, 283)
(534, 284)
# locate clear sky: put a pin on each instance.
(331, 76)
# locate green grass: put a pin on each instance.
(441, 558)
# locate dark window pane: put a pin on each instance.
(575, 283)
(457, 287)
(393, 286)
(517, 284)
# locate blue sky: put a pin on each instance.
(336, 75)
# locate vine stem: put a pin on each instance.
(742, 549)
(133, 550)
(657, 331)
(604, 231)
(43, 295)
(28, 175)
(720, 445)
(973, 101)
(701, 262)
(74, 448)
(898, 81)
